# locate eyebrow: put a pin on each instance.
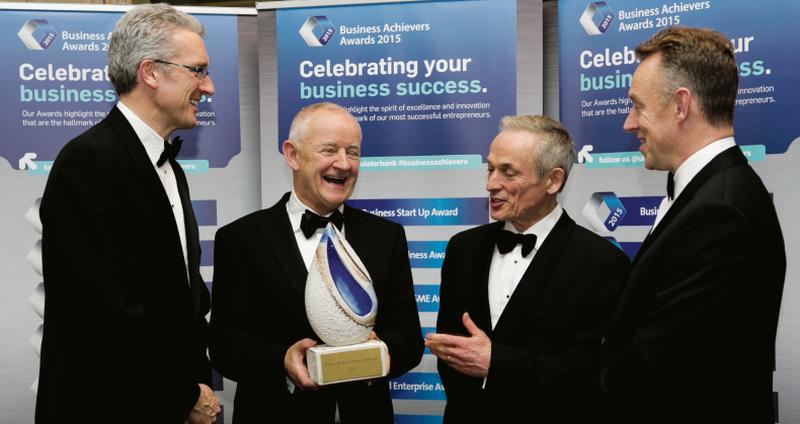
(504, 165)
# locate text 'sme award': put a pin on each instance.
(341, 307)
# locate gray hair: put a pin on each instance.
(297, 131)
(554, 149)
(144, 33)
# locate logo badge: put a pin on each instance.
(604, 211)
(37, 34)
(597, 18)
(317, 31)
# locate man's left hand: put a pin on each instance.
(468, 355)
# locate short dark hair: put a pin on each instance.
(702, 61)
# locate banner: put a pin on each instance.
(597, 42)
(425, 79)
(56, 86)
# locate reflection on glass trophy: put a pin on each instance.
(341, 307)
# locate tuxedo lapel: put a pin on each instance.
(140, 163)
(198, 290)
(728, 158)
(535, 279)
(479, 296)
(276, 229)
(159, 210)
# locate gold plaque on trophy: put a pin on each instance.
(338, 364)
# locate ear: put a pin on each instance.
(149, 73)
(290, 154)
(682, 99)
(555, 181)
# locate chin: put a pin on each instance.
(497, 216)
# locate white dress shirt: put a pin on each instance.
(689, 169)
(154, 146)
(507, 270)
(295, 208)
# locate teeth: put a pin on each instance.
(335, 180)
(193, 102)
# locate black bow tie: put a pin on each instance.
(310, 221)
(170, 150)
(506, 241)
(670, 185)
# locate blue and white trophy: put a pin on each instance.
(341, 307)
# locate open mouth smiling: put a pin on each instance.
(335, 180)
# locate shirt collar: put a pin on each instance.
(295, 208)
(542, 228)
(153, 143)
(699, 159)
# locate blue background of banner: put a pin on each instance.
(776, 43)
(471, 211)
(482, 31)
(217, 144)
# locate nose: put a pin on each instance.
(341, 162)
(631, 123)
(492, 184)
(207, 86)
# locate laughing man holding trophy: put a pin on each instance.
(312, 270)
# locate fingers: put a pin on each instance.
(294, 363)
(470, 326)
(441, 345)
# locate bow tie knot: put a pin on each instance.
(171, 150)
(506, 241)
(310, 221)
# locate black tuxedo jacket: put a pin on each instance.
(693, 336)
(259, 311)
(124, 331)
(546, 343)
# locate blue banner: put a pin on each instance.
(417, 385)
(426, 254)
(597, 42)
(432, 79)
(456, 211)
(427, 296)
(56, 86)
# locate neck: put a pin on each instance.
(536, 216)
(142, 107)
(700, 139)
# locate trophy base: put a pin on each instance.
(339, 364)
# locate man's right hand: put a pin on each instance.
(295, 364)
(206, 409)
